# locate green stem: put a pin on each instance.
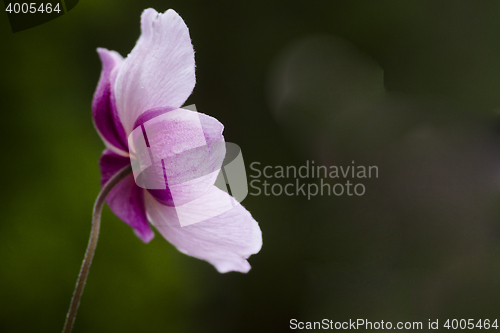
(94, 234)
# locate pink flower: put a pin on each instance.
(155, 78)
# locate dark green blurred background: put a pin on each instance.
(422, 243)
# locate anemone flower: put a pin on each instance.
(155, 79)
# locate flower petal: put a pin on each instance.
(181, 153)
(104, 112)
(126, 199)
(110, 163)
(225, 240)
(159, 72)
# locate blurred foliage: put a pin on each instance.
(422, 243)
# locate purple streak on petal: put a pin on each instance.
(103, 105)
(163, 196)
(145, 136)
(126, 199)
(110, 163)
(225, 240)
(150, 114)
(160, 70)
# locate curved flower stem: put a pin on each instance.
(94, 234)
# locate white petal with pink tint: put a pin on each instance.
(226, 240)
(159, 72)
